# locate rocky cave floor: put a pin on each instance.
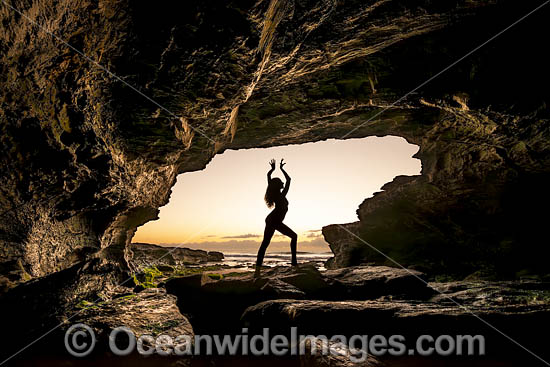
(365, 300)
(86, 162)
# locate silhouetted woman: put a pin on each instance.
(274, 221)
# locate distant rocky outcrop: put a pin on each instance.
(146, 254)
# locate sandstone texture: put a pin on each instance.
(92, 141)
(216, 304)
(86, 158)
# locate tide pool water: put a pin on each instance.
(275, 259)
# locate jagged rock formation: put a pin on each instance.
(134, 311)
(149, 312)
(511, 308)
(366, 300)
(86, 159)
(201, 296)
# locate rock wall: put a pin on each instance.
(86, 158)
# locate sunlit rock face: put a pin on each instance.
(86, 159)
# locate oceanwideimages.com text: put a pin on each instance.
(80, 341)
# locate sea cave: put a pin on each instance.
(105, 104)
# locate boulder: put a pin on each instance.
(498, 312)
(367, 282)
(336, 355)
(214, 256)
(200, 296)
(216, 305)
(135, 312)
(277, 288)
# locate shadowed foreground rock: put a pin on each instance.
(338, 355)
(513, 308)
(214, 305)
(149, 312)
(364, 282)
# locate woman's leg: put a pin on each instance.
(284, 229)
(268, 233)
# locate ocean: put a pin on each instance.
(276, 259)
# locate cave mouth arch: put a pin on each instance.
(221, 207)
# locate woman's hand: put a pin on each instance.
(272, 163)
(282, 164)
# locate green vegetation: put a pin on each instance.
(147, 278)
(24, 275)
(152, 276)
(126, 297)
(236, 274)
(161, 327)
(183, 271)
(215, 276)
(535, 297)
(83, 304)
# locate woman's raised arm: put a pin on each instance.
(272, 163)
(287, 177)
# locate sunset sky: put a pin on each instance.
(222, 208)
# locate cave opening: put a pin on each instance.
(221, 208)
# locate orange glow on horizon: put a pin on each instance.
(224, 203)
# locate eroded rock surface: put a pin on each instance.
(338, 355)
(217, 304)
(149, 312)
(86, 159)
(495, 311)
